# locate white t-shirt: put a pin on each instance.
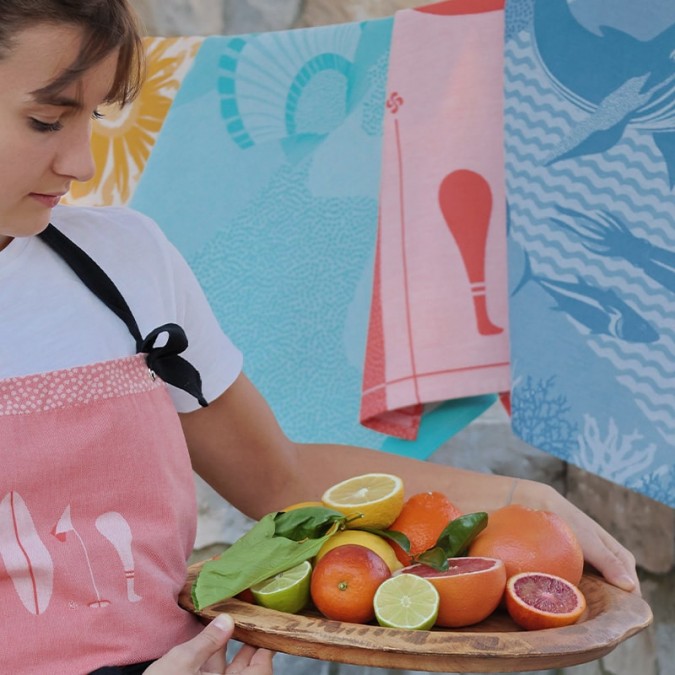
(49, 320)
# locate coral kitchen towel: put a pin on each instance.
(438, 326)
(590, 166)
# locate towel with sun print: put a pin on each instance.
(123, 139)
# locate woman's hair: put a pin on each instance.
(106, 24)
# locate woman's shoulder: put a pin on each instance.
(113, 232)
(108, 224)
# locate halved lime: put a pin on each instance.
(406, 601)
(287, 591)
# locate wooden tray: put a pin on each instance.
(495, 645)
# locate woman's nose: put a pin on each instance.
(75, 159)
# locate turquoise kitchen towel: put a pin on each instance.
(590, 172)
(266, 176)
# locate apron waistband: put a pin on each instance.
(133, 669)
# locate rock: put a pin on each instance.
(324, 12)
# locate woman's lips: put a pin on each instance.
(50, 201)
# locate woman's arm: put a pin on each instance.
(238, 447)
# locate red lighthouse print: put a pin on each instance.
(466, 203)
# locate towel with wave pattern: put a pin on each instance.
(590, 173)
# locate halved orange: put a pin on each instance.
(470, 590)
(536, 601)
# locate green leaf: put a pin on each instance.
(434, 557)
(257, 555)
(308, 522)
(397, 537)
(454, 540)
(460, 532)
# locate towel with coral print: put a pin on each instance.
(97, 518)
(590, 182)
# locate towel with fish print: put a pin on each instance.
(590, 183)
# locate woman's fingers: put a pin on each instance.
(614, 562)
(190, 657)
(251, 661)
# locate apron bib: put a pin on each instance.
(97, 507)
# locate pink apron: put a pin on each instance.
(97, 509)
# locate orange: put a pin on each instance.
(422, 519)
(536, 601)
(344, 582)
(530, 540)
(469, 591)
(246, 595)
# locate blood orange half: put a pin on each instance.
(470, 590)
(536, 601)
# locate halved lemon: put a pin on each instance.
(372, 499)
(406, 601)
(287, 591)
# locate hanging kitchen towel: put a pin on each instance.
(590, 166)
(266, 177)
(439, 320)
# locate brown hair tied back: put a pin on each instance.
(106, 24)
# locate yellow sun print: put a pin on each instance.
(123, 139)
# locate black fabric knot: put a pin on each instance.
(164, 360)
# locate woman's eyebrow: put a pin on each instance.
(43, 97)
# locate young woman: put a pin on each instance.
(103, 411)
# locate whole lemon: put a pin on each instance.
(376, 544)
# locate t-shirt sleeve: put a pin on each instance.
(209, 350)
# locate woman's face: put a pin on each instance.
(44, 143)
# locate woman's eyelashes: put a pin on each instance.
(45, 127)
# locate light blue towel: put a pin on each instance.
(266, 177)
(590, 151)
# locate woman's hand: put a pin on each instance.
(205, 655)
(601, 550)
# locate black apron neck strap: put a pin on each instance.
(93, 277)
(162, 360)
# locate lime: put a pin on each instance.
(287, 591)
(406, 601)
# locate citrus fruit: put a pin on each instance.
(377, 497)
(406, 601)
(536, 601)
(372, 541)
(530, 540)
(469, 591)
(246, 596)
(344, 582)
(302, 505)
(422, 519)
(287, 591)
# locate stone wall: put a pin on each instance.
(644, 526)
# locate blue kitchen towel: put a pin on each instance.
(590, 172)
(266, 176)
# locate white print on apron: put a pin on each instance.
(117, 531)
(30, 565)
(25, 557)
